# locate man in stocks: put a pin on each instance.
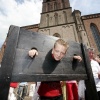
(52, 90)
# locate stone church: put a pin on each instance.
(57, 19)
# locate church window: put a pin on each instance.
(63, 3)
(65, 17)
(55, 6)
(96, 34)
(56, 18)
(48, 7)
(59, 6)
(57, 35)
(47, 19)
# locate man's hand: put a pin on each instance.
(78, 58)
(62, 83)
(32, 53)
(97, 59)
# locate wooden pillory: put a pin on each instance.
(17, 66)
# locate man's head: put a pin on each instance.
(91, 53)
(59, 49)
(98, 55)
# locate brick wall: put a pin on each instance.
(87, 20)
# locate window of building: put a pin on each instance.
(58, 5)
(65, 16)
(57, 35)
(47, 19)
(56, 18)
(55, 6)
(96, 34)
(48, 7)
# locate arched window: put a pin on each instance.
(57, 35)
(58, 5)
(56, 18)
(63, 4)
(65, 16)
(48, 7)
(55, 6)
(47, 19)
(96, 35)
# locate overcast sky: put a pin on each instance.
(27, 12)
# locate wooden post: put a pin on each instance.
(64, 90)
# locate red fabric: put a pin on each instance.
(14, 84)
(50, 89)
(52, 56)
(72, 91)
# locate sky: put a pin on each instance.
(27, 12)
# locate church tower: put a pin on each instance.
(52, 5)
(82, 35)
(54, 13)
(58, 20)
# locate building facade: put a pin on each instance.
(92, 27)
(57, 19)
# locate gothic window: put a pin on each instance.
(65, 17)
(63, 4)
(56, 18)
(55, 6)
(48, 7)
(44, 8)
(96, 34)
(59, 6)
(47, 19)
(57, 35)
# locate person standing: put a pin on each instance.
(36, 95)
(11, 95)
(95, 69)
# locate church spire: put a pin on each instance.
(52, 5)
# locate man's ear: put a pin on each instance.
(52, 50)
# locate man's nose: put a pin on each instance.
(59, 54)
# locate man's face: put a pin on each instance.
(58, 52)
(91, 54)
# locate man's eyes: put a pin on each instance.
(56, 50)
(60, 52)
